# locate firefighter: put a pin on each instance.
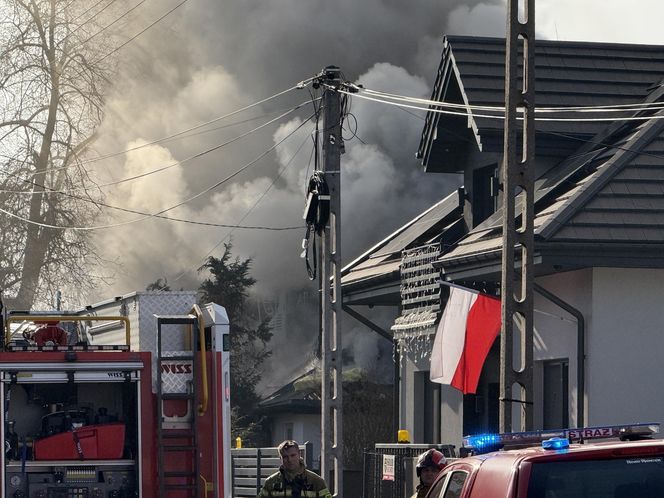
(293, 479)
(429, 464)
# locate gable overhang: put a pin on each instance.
(448, 139)
(555, 257)
(380, 291)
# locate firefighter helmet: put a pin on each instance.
(430, 458)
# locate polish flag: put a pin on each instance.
(467, 330)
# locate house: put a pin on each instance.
(599, 238)
(294, 413)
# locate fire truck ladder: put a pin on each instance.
(176, 435)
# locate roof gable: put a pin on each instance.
(567, 74)
(611, 191)
(622, 201)
(383, 260)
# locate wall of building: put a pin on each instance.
(414, 361)
(556, 332)
(624, 317)
(305, 427)
(624, 337)
(625, 343)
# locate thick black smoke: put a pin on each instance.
(209, 58)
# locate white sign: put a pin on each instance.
(388, 467)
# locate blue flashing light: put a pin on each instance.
(484, 442)
(555, 443)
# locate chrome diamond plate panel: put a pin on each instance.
(150, 304)
(177, 375)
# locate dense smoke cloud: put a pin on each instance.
(210, 58)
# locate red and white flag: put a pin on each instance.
(467, 330)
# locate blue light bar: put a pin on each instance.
(483, 442)
(555, 443)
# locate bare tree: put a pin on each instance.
(54, 66)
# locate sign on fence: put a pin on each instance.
(388, 467)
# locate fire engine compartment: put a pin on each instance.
(71, 429)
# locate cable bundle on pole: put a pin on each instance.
(316, 216)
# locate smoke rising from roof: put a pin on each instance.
(210, 58)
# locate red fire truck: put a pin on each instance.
(88, 419)
(558, 464)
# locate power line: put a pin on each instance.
(142, 31)
(115, 21)
(157, 170)
(250, 210)
(85, 12)
(300, 85)
(490, 116)
(160, 169)
(159, 213)
(437, 103)
(183, 134)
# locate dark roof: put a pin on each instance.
(604, 206)
(377, 270)
(296, 396)
(567, 74)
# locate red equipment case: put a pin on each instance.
(96, 442)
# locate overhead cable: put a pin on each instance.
(250, 210)
(169, 166)
(228, 115)
(184, 134)
(158, 214)
(641, 106)
(490, 116)
(142, 31)
(64, 9)
(113, 22)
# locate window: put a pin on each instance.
(288, 430)
(450, 486)
(638, 476)
(455, 485)
(483, 198)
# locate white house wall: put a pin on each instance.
(625, 344)
(555, 334)
(624, 336)
(414, 358)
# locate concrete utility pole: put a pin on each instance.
(330, 295)
(517, 178)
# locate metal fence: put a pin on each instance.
(251, 466)
(389, 469)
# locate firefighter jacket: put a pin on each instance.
(421, 491)
(300, 484)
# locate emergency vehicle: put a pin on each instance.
(558, 464)
(89, 420)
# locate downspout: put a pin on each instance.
(580, 349)
(395, 348)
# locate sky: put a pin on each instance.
(212, 57)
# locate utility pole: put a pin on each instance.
(517, 178)
(331, 463)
